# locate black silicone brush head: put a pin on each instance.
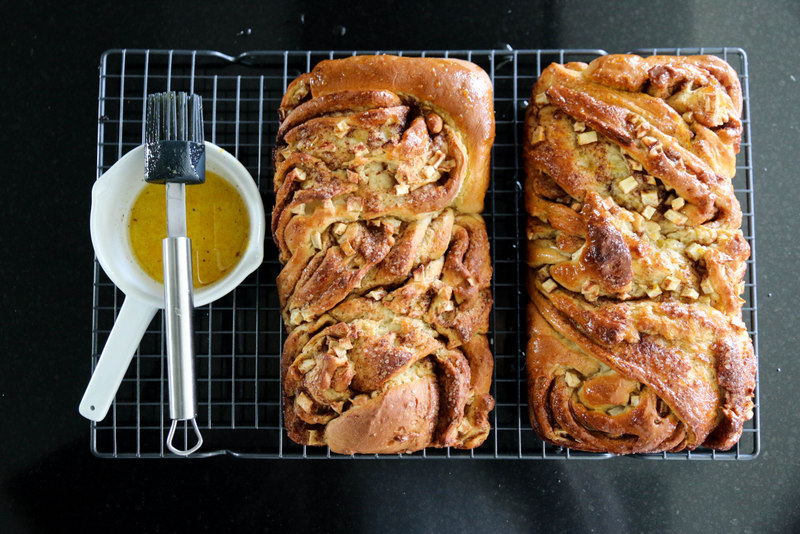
(174, 151)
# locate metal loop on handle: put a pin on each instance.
(171, 436)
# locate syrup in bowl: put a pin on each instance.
(217, 222)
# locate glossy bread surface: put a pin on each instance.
(635, 255)
(381, 164)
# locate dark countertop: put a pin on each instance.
(50, 481)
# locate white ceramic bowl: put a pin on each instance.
(113, 196)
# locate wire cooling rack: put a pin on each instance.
(239, 337)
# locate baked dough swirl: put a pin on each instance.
(635, 255)
(381, 165)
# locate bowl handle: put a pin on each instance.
(131, 324)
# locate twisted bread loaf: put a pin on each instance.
(381, 167)
(635, 256)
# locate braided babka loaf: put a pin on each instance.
(382, 164)
(636, 259)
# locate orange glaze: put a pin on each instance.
(216, 220)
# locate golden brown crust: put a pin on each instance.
(381, 168)
(636, 259)
(399, 421)
(458, 91)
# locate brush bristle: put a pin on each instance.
(174, 116)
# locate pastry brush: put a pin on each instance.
(174, 155)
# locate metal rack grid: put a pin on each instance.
(239, 337)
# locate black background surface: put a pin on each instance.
(49, 480)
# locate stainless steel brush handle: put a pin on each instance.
(175, 156)
(180, 332)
